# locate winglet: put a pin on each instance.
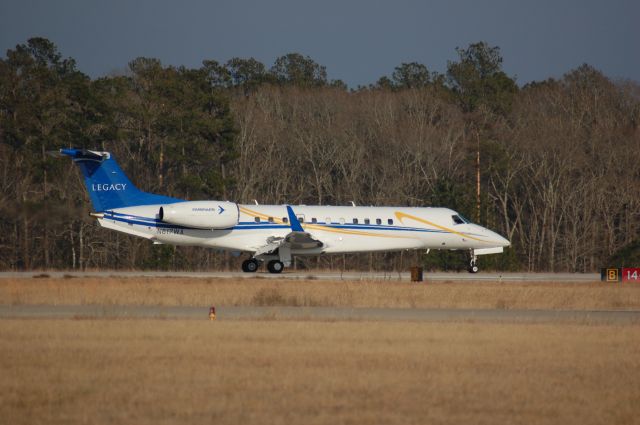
(293, 220)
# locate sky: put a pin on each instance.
(357, 41)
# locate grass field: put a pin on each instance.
(248, 292)
(114, 371)
(190, 372)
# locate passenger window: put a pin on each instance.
(366, 221)
(313, 220)
(355, 221)
(257, 219)
(390, 221)
(457, 219)
(270, 219)
(301, 219)
(378, 221)
(285, 220)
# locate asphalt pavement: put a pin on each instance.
(313, 275)
(89, 312)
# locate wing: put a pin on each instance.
(302, 240)
(297, 239)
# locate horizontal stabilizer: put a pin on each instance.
(84, 154)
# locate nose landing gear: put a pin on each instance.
(473, 264)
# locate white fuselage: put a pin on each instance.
(342, 229)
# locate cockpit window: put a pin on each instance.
(457, 219)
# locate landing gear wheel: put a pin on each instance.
(473, 267)
(250, 265)
(275, 266)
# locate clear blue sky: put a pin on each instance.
(358, 41)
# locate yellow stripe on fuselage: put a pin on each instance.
(322, 228)
(400, 215)
(252, 213)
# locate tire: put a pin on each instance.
(275, 266)
(249, 266)
(473, 268)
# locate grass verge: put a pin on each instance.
(269, 292)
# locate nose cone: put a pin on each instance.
(491, 237)
(498, 240)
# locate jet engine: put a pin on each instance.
(201, 214)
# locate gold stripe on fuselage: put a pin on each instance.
(322, 228)
(401, 215)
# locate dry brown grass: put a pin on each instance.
(247, 292)
(186, 372)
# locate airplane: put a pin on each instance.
(272, 234)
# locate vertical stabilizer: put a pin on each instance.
(108, 186)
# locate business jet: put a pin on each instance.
(272, 234)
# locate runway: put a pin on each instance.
(314, 275)
(79, 312)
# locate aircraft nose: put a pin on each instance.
(492, 237)
(495, 239)
(499, 240)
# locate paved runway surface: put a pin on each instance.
(298, 275)
(318, 313)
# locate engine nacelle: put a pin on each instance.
(201, 214)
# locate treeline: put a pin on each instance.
(559, 159)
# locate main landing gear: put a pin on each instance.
(251, 266)
(275, 266)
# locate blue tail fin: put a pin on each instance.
(107, 184)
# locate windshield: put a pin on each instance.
(459, 219)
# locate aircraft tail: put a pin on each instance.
(108, 186)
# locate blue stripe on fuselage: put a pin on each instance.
(252, 225)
